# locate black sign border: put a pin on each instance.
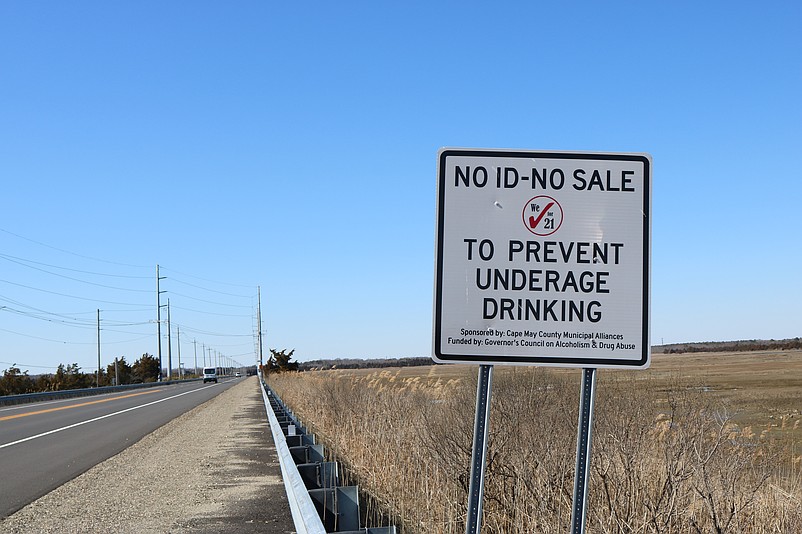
(541, 360)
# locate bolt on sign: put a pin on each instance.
(542, 258)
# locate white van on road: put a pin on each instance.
(209, 374)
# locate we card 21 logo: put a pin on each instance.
(542, 215)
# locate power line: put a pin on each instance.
(137, 277)
(213, 313)
(172, 279)
(18, 303)
(208, 280)
(62, 342)
(85, 324)
(126, 310)
(17, 364)
(90, 323)
(72, 296)
(74, 279)
(144, 336)
(73, 253)
(41, 338)
(189, 329)
(219, 345)
(209, 301)
(107, 310)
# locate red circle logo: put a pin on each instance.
(542, 215)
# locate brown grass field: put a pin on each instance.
(762, 389)
(703, 442)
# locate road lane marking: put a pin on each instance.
(66, 400)
(43, 434)
(49, 410)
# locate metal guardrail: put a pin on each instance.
(25, 398)
(318, 502)
(304, 514)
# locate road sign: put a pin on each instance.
(542, 258)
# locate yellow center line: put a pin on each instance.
(7, 417)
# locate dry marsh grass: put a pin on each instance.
(699, 443)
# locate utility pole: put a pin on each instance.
(195, 348)
(116, 373)
(259, 322)
(178, 339)
(203, 349)
(169, 345)
(159, 320)
(98, 348)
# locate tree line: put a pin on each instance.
(70, 376)
(734, 346)
(361, 363)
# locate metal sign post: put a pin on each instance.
(587, 398)
(480, 429)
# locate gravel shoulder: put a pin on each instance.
(214, 469)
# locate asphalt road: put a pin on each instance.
(45, 444)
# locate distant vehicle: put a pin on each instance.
(237, 374)
(209, 374)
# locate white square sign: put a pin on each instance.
(542, 258)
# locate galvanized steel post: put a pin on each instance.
(584, 436)
(479, 454)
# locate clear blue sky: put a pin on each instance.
(245, 144)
